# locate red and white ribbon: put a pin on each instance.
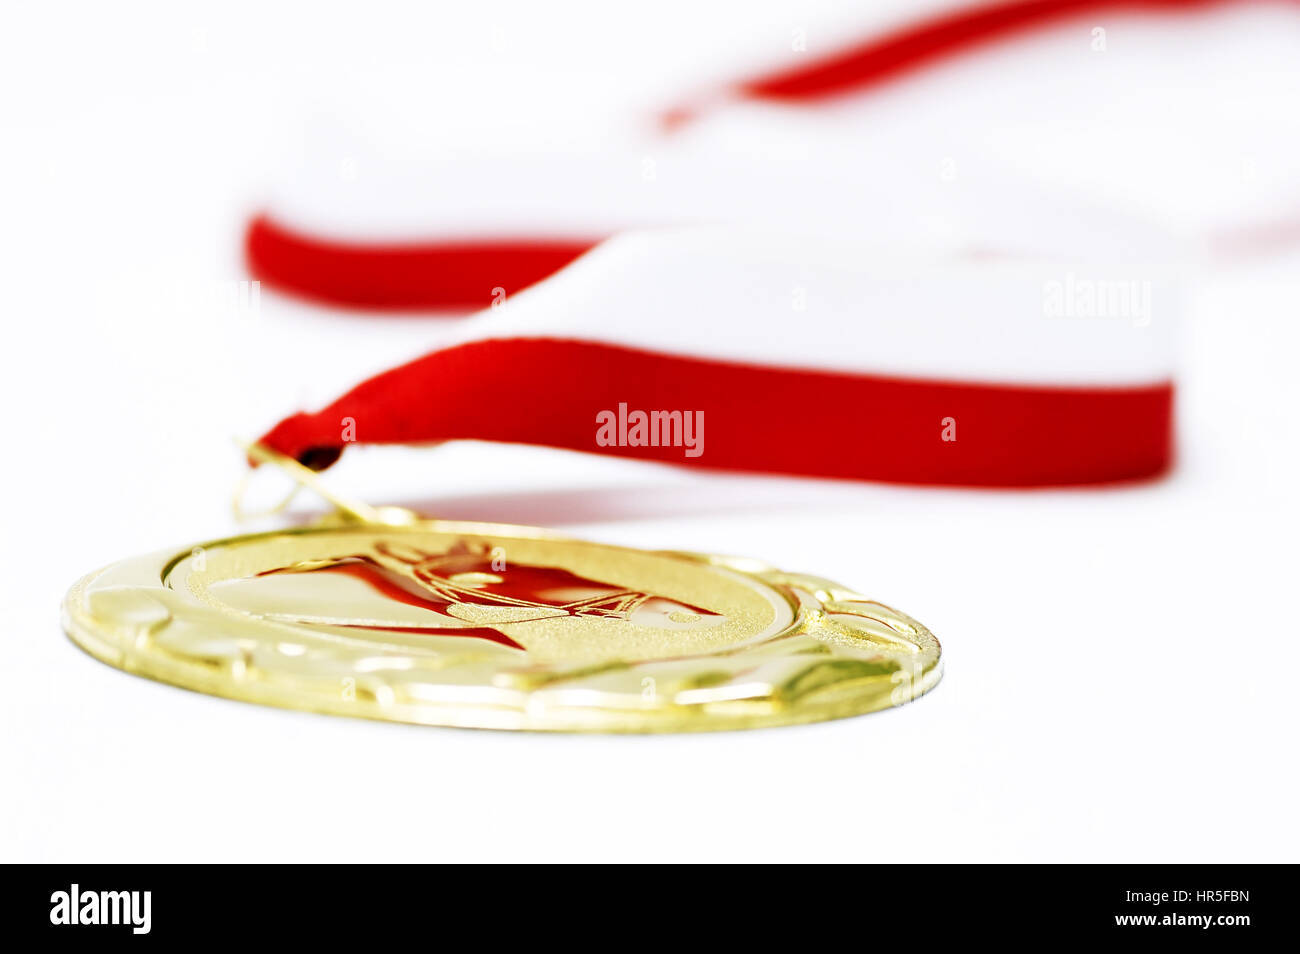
(830, 361)
(1021, 126)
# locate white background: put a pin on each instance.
(1120, 664)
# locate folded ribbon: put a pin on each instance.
(964, 372)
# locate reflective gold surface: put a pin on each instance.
(488, 626)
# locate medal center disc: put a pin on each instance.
(555, 601)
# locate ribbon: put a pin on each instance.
(881, 59)
(780, 421)
(448, 270)
(687, 348)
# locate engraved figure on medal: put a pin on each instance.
(460, 591)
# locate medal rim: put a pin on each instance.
(814, 603)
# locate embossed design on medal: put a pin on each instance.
(463, 594)
(421, 624)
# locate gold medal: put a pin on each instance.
(379, 614)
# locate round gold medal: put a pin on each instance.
(489, 626)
